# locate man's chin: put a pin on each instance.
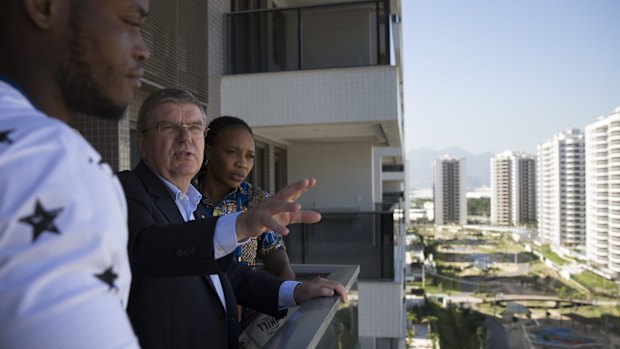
(107, 111)
(99, 108)
(186, 170)
(112, 116)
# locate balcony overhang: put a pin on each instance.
(323, 105)
(376, 133)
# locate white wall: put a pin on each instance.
(312, 96)
(342, 170)
(380, 309)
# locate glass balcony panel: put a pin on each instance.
(343, 36)
(263, 42)
(354, 238)
(314, 37)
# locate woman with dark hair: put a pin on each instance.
(229, 158)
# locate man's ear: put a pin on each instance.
(43, 13)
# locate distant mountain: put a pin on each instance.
(420, 161)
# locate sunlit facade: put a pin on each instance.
(603, 192)
(449, 191)
(561, 190)
(513, 189)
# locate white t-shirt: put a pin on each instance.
(64, 271)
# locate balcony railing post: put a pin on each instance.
(304, 237)
(300, 37)
(386, 11)
(377, 25)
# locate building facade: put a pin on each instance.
(324, 100)
(449, 191)
(320, 84)
(561, 190)
(603, 193)
(513, 189)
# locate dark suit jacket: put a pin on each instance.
(172, 302)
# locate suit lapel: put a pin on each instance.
(163, 198)
(231, 306)
(201, 212)
(165, 203)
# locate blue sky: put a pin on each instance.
(492, 75)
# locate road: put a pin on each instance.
(497, 338)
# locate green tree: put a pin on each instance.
(481, 334)
(411, 319)
(478, 207)
(434, 338)
(430, 321)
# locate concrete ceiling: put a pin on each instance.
(366, 132)
(301, 3)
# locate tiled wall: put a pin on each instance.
(110, 138)
(215, 22)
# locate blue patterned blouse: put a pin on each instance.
(240, 199)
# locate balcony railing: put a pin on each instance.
(319, 323)
(312, 37)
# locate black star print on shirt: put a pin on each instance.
(101, 164)
(4, 136)
(42, 220)
(108, 276)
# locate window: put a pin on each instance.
(280, 169)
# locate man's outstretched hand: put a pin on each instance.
(319, 287)
(276, 212)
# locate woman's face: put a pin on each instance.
(231, 158)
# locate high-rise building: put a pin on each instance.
(603, 192)
(513, 189)
(500, 190)
(449, 191)
(320, 84)
(561, 190)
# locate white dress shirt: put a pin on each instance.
(223, 243)
(224, 240)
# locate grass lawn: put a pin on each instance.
(438, 286)
(546, 251)
(594, 282)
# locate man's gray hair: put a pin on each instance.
(165, 95)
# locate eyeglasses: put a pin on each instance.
(172, 129)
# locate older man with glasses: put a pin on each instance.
(186, 286)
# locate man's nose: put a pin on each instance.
(140, 52)
(185, 133)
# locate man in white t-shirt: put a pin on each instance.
(64, 271)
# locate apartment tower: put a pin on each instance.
(449, 191)
(561, 190)
(603, 192)
(320, 83)
(513, 189)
